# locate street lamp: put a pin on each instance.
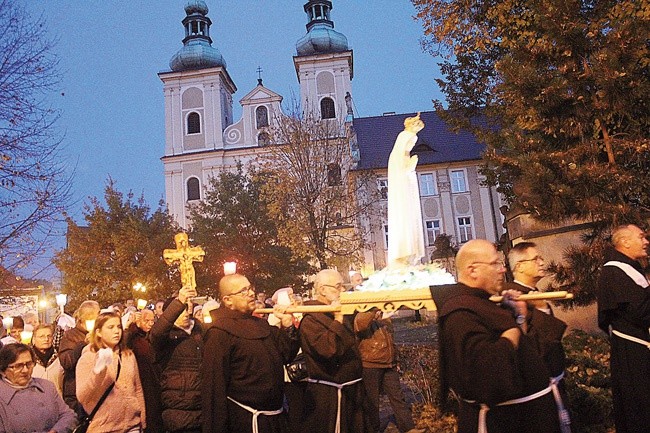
(61, 300)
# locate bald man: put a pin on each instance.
(243, 363)
(624, 312)
(486, 357)
(334, 397)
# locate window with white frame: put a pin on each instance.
(193, 123)
(427, 184)
(458, 181)
(465, 230)
(385, 236)
(193, 189)
(433, 231)
(382, 186)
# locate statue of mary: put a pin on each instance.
(405, 238)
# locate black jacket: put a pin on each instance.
(178, 355)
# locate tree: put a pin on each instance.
(33, 186)
(233, 223)
(121, 245)
(320, 203)
(564, 98)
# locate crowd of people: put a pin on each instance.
(223, 368)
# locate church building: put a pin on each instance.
(202, 137)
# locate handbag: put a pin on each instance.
(84, 423)
(297, 369)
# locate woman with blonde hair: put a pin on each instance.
(104, 362)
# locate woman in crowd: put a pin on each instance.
(28, 403)
(48, 365)
(101, 361)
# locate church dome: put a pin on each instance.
(321, 37)
(197, 51)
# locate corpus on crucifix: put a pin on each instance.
(185, 256)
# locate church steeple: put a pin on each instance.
(321, 38)
(197, 51)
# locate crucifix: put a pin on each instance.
(184, 255)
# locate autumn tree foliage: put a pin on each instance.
(233, 223)
(559, 91)
(120, 244)
(34, 188)
(320, 203)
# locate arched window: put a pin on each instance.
(193, 189)
(327, 108)
(263, 139)
(193, 123)
(262, 116)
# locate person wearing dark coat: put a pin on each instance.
(177, 341)
(487, 360)
(72, 343)
(335, 396)
(624, 312)
(243, 364)
(145, 357)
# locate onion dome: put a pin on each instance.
(321, 38)
(197, 51)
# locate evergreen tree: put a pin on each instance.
(120, 245)
(564, 98)
(233, 223)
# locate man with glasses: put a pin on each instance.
(334, 397)
(244, 356)
(527, 266)
(624, 312)
(487, 360)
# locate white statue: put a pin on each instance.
(405, 238)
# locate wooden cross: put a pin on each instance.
(184, 255)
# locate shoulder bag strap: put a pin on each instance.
(108, 390)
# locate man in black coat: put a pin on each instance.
(486, 357)
(178, 344)
(243, 363)
(624, 312)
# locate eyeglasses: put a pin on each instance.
(534, 259)
(20, 366)
(244, 291)
(338, 287)
(496, 264)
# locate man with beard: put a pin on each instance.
(624, 312)
(243, 375)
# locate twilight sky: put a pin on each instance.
(110, 52)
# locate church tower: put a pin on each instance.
(198, 108)
(324, 66)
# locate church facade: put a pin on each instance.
(202, 138)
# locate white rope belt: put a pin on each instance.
(563, 413)
(630, 338)
(339, 387)
(256, 413)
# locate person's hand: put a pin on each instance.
(104, 359)
(286, 319)
(185, 293)
(519, 308)
(513, 335)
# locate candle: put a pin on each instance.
(7, 322)
(90, 325)
(26, 337)
(229, 268)
(142, 304)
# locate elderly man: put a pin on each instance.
(243, 376)
(335, 396)
(527, 265)
(624, 312)
(486, 358)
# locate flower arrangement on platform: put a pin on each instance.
(411, 277)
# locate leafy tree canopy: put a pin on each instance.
(120, 245)
(562, 88)
(233, 223)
